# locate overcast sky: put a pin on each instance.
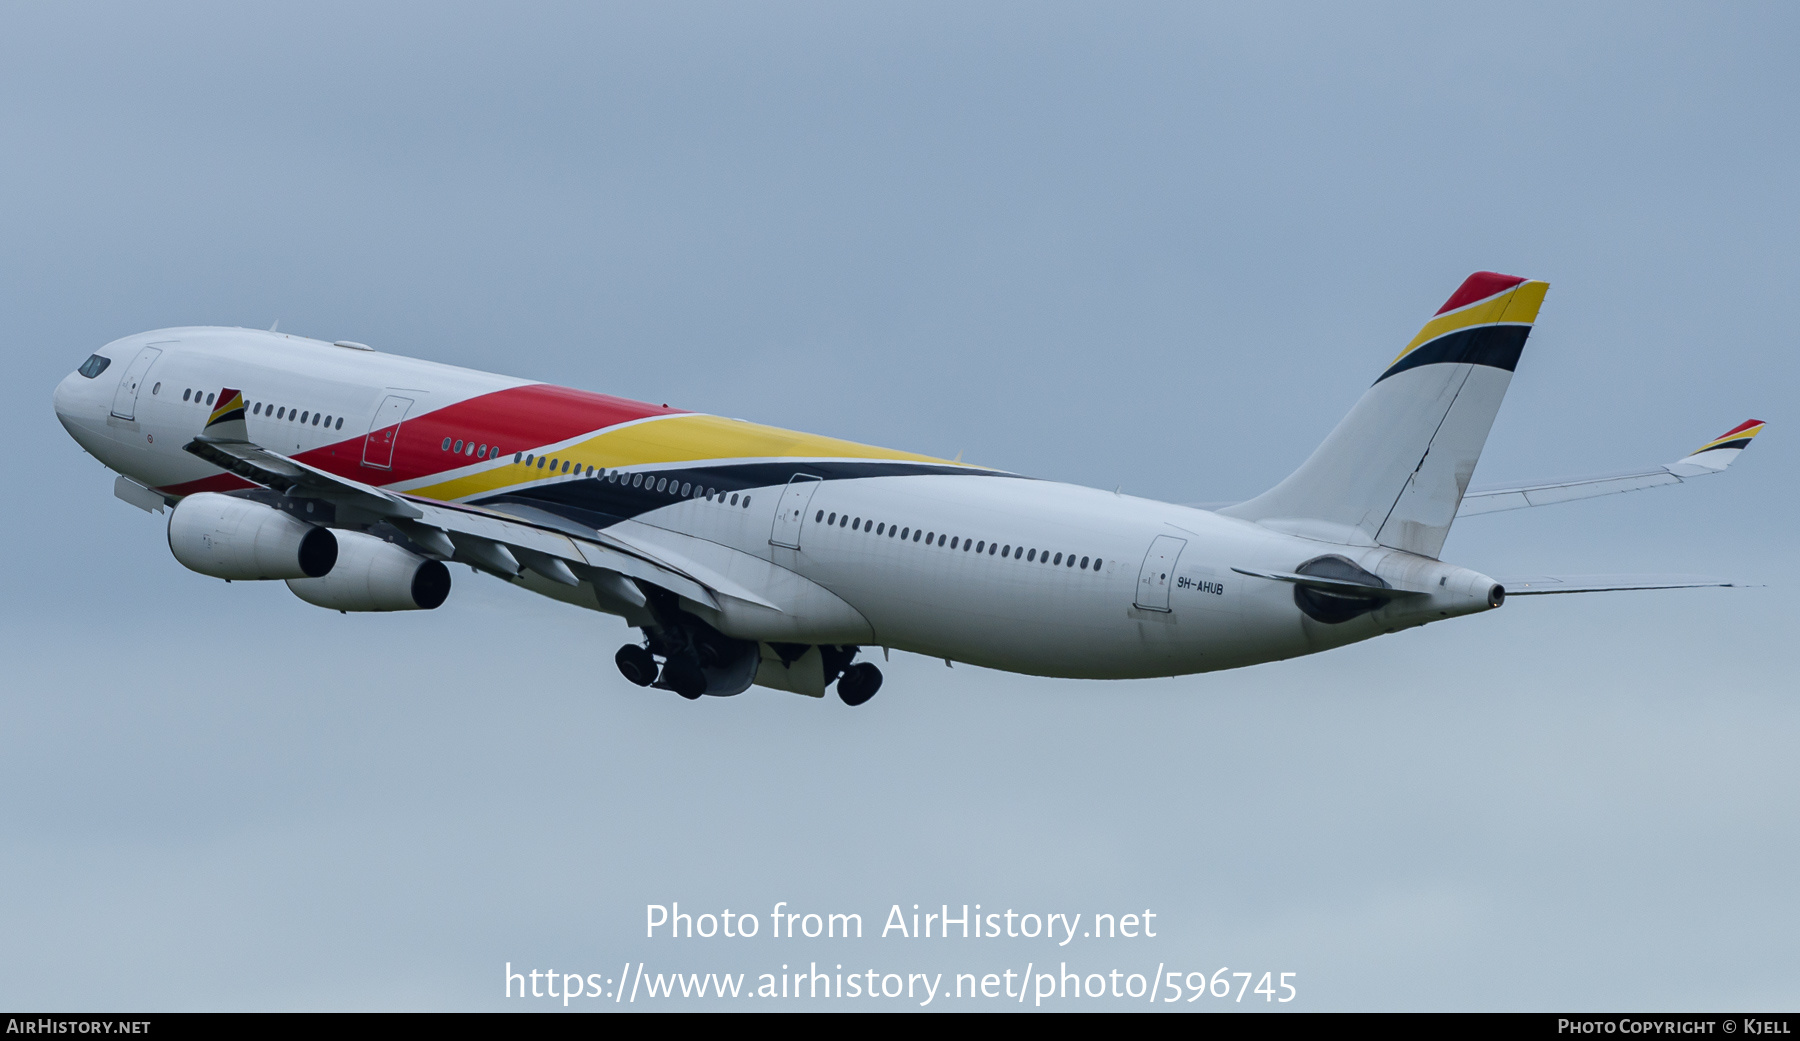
(1163, 247)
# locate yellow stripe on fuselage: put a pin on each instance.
(1517, 306)
(683, 438)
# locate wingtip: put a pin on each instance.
(1738, 437)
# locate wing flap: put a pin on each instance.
(500, 543)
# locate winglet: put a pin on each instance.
(1717, 454)
(227, 421)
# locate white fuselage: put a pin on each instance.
(1132, 587)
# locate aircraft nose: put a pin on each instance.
(62, 398)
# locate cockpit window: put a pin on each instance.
(94, 366)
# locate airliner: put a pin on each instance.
(748, 554)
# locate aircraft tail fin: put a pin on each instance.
(1394, 470)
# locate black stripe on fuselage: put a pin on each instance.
(599, 502)
(1497, 346)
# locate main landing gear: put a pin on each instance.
(856, 684)
(859, 683)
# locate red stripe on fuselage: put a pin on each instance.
(520, 419)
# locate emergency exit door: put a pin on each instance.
(384, 431)
(1158, 571)
(790, 512)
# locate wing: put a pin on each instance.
(1542, 585)
(502, 543)
(1710, 458)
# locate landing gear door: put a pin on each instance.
(384, 430)
(1158, 570)
(125, 398)
(790, 512)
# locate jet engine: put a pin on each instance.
(232, 538)
(373, 575)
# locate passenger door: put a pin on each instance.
(1158, 570)
(125, 398)
(384, 431)
(790, 512)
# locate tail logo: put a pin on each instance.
(1485, 322)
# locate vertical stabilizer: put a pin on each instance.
(1394, 470)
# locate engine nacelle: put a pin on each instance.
(372, 575)
(232, 538)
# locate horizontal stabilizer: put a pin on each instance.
(1328, 585)
(1542, 585)
(1710, 458)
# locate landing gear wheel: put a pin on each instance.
(636, 664)
(684, 678)
(859, 683)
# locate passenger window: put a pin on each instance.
(856, 525)
(930, 536)
(184, 394)
(1031, 556)
(1058, 558)
(746, 502)
(844, 521)
(904, 532)
(734, 498)
(95, 365)
(339, 425)
(156, 389)
(315, 419)
(540, 462)
(952, 543)
(458, 448)
(565, 466)
(303, 415)
(685, 489)
(209, 398)
(991, 548)
(256, 409)
(1084, 563)
(446, 445)
(833, 519)
(470, 450)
